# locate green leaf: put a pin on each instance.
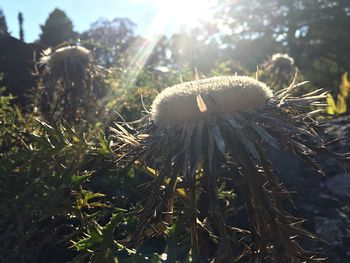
(103, 143)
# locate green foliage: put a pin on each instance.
(304, 29)
(60, 193)
(132, 92)
(340, 107)
(41, 176)
(229, 68)
(110, 40)
(62, 196)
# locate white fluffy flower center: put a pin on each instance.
(193, 100)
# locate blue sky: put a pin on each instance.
(81, 12)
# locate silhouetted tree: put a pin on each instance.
(57, 29)
(315, 33)
(319, 39)
(194, 48)
(160, 54)
(109, 39)
(3, 25)
(20, 21)
(16, 67)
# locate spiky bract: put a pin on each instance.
(226, 150)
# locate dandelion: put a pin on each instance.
(213, 134)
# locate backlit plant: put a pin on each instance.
(73, 83)
(212, 137)
(339, 107)
(278, 71)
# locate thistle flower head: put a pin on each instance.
(191, 101)
(69, 58)
(214, 134)
(282, 58)
(278, 71)
(72, 80)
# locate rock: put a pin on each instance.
(329, 230)
(339, 185)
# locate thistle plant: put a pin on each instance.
(278, 71)
(208, 137)
(73, 83)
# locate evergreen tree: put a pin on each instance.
(3, 25)
(57, 29)
(20, 21)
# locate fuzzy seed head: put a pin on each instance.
(68, 54)
(282, 58)
(193, 100)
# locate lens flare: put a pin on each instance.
(184, 12)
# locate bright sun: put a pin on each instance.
(184, 12)
(170, 16)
